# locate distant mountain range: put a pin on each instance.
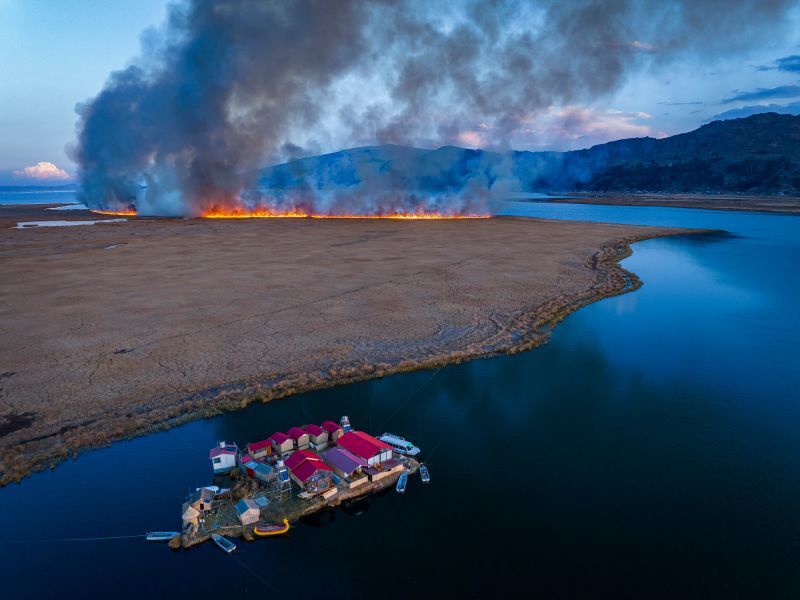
(756, 154)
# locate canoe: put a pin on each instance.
(401, 483)
(424, 473)
(161, 536)
(264, 530)
(224, 543)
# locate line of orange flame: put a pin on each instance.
(291, 215)
(262, 214)
(116, 213)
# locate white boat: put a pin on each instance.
(161, 536)
(399, 444)
(400, 488)
(424, 473)
(214, 488)
(224, 543)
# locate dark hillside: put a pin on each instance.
(759, 154)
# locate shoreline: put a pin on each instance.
(785, 205)
(530, 329)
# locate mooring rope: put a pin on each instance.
(257, 576)
(449, 429)
(407, 400)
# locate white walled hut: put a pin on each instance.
(248, 511)
(363, 445)
(300, 438)
(260, 449)
(264, 472)
(345, 464)
(317, 437)
(282, 444)
(334, 430)
(224, 457)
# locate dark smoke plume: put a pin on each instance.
(226, 85)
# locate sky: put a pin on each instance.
(53, 55)
(57, 54)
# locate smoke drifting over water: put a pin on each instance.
(227, 86)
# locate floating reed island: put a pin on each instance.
(261, 489)
(124, 328)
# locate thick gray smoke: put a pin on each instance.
(227, 85)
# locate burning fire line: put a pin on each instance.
(289, 215)
(235, 214)
(116, 213)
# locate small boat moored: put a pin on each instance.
(161, 536)
(399, 444)
(344, 423)
(265, 530)
(400, 488)
(224, 543)
(424, 473)
(214, 488)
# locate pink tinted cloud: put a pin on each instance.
(561, 128)
(574, 127)
(43, 171)
(471, 139)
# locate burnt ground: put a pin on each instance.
(118, 329)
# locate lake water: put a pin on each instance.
(651, 449)
(37, 196)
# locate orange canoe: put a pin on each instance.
(272, 529)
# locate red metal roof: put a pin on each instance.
(330, 426)
(296, 433)
(372, 440)
(308, 467)
(362, 444)
(303, 464)
(314, 430)
(255, 446)
(299, 457)
(278, 437)
(217, 451)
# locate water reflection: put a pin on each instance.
(651, 446)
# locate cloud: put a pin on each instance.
(781, 91)
(45, 171)
(787, 64)
(745, 111)
(472, 139)
(574, 127)
(640, 46)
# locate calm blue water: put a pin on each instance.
(36, 196)
(650, 450)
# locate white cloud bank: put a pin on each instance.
(43, 171)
